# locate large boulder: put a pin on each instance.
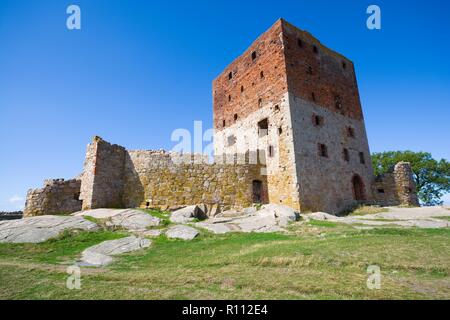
(41, 228)
(217, 228)
(188, 214)
(101, 254)
(181, 232)
(130, 219)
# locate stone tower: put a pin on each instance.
(296, 102)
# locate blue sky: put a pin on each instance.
(137, 70)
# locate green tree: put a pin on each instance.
(432, 177)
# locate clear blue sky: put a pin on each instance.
(137, 70)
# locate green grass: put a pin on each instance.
(313, 261)
(163, 215)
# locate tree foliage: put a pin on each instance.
(432, 177)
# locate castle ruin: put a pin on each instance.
(287, 113)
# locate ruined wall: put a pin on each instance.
(102, 183)
(396, 187)
(115, 177)
(56, 197)
(164, 179)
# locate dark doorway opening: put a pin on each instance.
(257, 191)
(358, 188)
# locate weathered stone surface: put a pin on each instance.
(153, 233)
(270, 218)
(426, 217)
(42, 228)
(58, 196)
(188, 214)
(217, 228)
(129, 219)
(101, 254)
(181, 232)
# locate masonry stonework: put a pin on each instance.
(288, 129)
(58, 196)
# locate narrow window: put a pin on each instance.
(223, 123)
(350, 132)
(317, 120)
(313, 96)
(323, 151)
(380, 190)
(338, 102)
(271, 151)
(344, 65)
(235, 117)
(261, 74)
(242, 88)
(299, 42)
(260, 103)
(346, 155)
(230, 75)
(280, 130)
(263, 127)
(229, 98)
(253, 55)
(315, 49)
(361, 158)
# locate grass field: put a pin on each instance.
(315, 260)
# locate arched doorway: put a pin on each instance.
(257, 191)
(358, 188)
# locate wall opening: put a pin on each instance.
(358, 188)
(362, 160)
(257, 191)
(263, 127)
(323, 150)
(235, 117)
(346, 155)
(230, 75)
(317, 120)
(350, 132)
(299, 42)
(271, 151)
(253, 55)
(338, 102)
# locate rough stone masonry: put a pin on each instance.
(289, 102)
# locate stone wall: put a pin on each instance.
(396, 187)
(162, 179)
(56, 197)
(102, 183)
(115, 177)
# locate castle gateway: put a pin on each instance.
(289, 129)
